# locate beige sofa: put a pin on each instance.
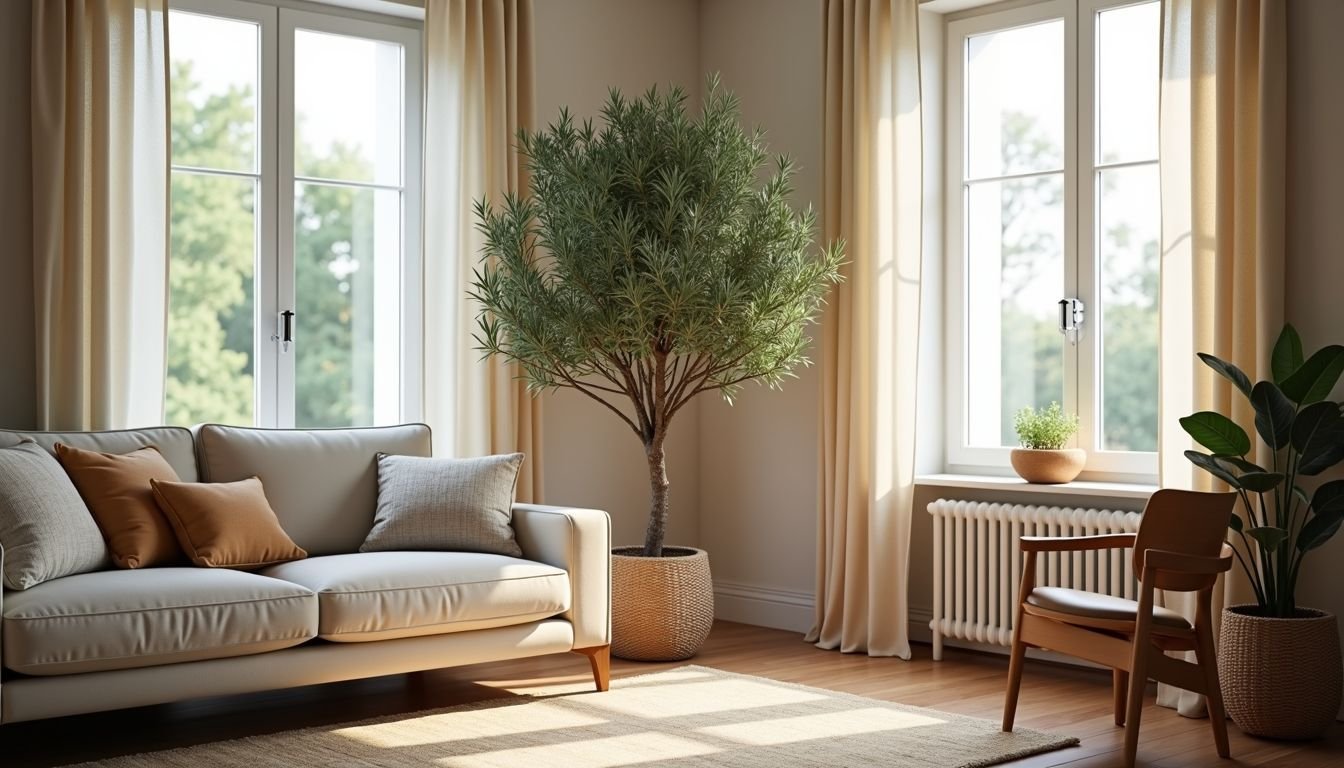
(126, 638)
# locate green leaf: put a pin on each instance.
(1329, 499)
(1228, 371)
(1268, 536)
(1287, 355)
(1318, 530)
(1218, 433)
(1314, 380)
(1260, 482)
(1235, 523)
(1274, 414)
(1210, 464)
(1239, 464)
(1318, 436)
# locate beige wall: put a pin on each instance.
(584, 47)
(17, 378)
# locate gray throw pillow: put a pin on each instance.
(449, 505)
(45, 529)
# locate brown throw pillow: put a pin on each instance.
(116, 490)
(226, 525)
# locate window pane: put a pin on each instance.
(1015, 277)
(347, 108)
(1015, 101)
(214, 92)
(210, 284)
(1127, 224)
(1127, 82)
(347, 264)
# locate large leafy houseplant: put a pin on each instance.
(1304, 433)
(648, 264)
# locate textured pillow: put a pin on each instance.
(445, 504)
(225, 525)
(45, 529)
(116, 489)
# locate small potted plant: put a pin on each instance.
(1279, 662)
(1043, 457)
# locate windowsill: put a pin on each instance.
(1018, 485)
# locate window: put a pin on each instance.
(295, 253)
(1053, 195)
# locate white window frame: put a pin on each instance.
(1081, 361)
(274, 383)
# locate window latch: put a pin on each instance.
(1071, 314)
(285, 330)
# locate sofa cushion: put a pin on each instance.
(322, 483)
(175, 443)
(449, 505)
(386, 595)
(45, 529)
(116, 489)
(151, 616)
(225, 525)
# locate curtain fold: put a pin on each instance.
(100, 211)
(478, 94)
(1223, 160)
(869, 334)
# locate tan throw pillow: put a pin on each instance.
(225, 525)
(116, 490)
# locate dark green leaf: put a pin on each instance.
(1318, 530)
(1218, 433)
(1235, 523)
(1318, 435)
(1210, 464)
(1228, 371)
(1274, 414)
(1268, 536)
(1316, 377)
(1239, 464)
(1329, 499)
(1260, 482)
(1287, 355)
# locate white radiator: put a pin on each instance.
(977, 563)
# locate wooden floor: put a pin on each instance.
(1054, 698)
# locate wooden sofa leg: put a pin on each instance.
(600, 657)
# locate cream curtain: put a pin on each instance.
(1224, 85)
(870, 330)
(478, 93)
(100, 211)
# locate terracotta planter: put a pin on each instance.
(1280, 677)
(662, 608)
(1047, 466)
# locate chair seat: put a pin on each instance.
(1090, 605)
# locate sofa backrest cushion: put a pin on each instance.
(175, 443)
(322, 483)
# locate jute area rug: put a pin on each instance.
(689, 716)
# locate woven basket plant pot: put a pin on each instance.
(661, 607)
(1047, 466)
(1280, 677)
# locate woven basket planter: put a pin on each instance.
(1280, 677)
(662, 608)
(1046, 466)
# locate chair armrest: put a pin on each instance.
(1076, 543)
(579, 541)
(1179, 562)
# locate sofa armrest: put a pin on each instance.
(579, 541)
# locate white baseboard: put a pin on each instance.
(763, 606)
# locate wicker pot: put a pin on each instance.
(1280, 677)
(661, 607)
(1046, 466)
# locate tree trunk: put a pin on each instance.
(653, 538)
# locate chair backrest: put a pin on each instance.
(1189, 522)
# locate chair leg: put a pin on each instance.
(1213, 693)
(1138, 675)
(599, 656)
(1119, 691)
(1014, 678)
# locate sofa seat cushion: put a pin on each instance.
(386, 595)
(151, 616)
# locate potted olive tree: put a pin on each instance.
(646, 265)
(1043, 434)
(1279, 662)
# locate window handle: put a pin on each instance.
(286, 330)
(1071, 315)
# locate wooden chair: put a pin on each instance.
(1179, 548)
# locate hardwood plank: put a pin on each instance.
(1054, 697)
